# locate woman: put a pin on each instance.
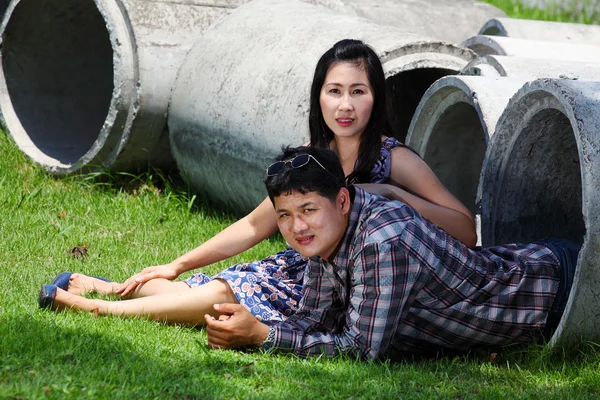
(348, 114)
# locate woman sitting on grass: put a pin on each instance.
(349, 115)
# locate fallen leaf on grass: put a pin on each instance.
(226, 375)
(62, 214)
(246, 367)
(79, 251)
(95, 312)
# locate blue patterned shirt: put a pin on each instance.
(400, 284)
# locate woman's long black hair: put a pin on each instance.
(356, 52)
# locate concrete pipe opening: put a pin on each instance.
(87, 83)
(539, 193)
(540, 179)
(406, 89)
(451, 127)
(455, 151)
(59, 77)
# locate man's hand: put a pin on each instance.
(167, 271)
(240, 329)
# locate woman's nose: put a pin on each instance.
(345, 103)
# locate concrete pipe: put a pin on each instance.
(531, 68)
(87, 82)
(452, 21)
(451, 127)
(542, 30)
(541, 178)
(243, 91)
(505, 46)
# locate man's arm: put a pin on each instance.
(381, 285)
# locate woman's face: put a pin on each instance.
(346, 99)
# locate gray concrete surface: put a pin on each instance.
(531, 68)
(541, 178)
(506, 46)
(542, 30)
(88, 81)
(243, 90)
(451, 21)
(451, 127)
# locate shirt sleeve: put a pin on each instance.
(381, 280)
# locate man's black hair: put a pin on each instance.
(325, 181)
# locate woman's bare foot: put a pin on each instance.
(67, 301)
(80, 284)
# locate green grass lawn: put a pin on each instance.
(127, 223)
(553, 12)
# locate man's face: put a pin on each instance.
(311, 223)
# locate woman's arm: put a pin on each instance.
(416, 185)
(236, 238)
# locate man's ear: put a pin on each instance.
(343, 200)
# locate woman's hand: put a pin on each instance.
(166, 271)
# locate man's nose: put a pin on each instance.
(300, 225)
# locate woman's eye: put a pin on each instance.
(358, 91)
(336, 91)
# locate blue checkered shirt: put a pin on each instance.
(400, 284)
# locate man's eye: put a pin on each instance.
(283, 216)
(308, 210)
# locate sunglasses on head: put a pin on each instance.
(297, 162)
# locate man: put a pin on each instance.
(382, 279)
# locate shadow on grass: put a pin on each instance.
(49, 355)
(44, 354)
(41, 355)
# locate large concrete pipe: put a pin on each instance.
(505, 46)
(531, 68)
(88, 81)
(542, 30)
(243, 90)
(541, 178)
(452, 21)
(451, 127)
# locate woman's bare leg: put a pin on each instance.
(187, 307)
(80, 284)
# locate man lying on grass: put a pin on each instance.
(382, 279)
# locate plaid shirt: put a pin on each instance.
(400, 284)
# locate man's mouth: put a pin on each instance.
(304, 240)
